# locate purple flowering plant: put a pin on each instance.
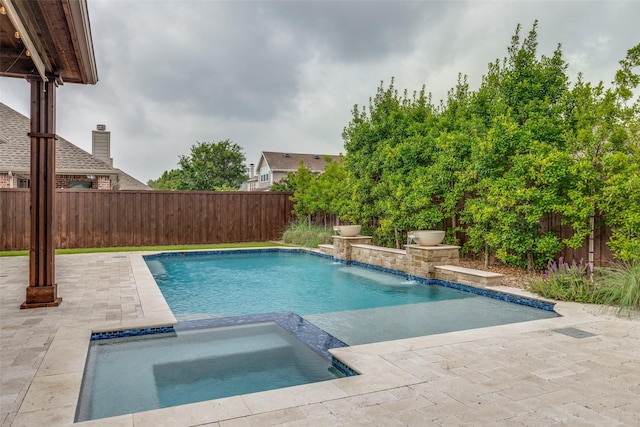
(567, 282)
(561, 270)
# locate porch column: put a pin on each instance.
(42, 291)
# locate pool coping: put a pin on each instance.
(54, 390)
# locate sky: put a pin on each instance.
(285, 75)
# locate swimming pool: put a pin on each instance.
(262, 319)
(357, 305)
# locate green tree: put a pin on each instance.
(170, 180)
(331, 189)
(620, 197)
(386, 146)
(519, 161)
(304, 198)
(213, 166)
(603, 144)
(285, 184)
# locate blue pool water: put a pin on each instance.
(354, 304)
(124, 376)
(239, 284)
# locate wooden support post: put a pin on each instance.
(42, 289)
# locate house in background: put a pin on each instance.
(75, 168)
(273, 166)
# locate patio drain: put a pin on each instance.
(575, 333)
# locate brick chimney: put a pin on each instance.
(101, 144)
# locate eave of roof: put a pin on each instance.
(290, 162)
(54, 41)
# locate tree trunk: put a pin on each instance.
(592, 223)
(486, 256)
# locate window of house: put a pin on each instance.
(264, 174)
(23, 182)
(80, 184)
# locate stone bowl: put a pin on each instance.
(349, 230)
(429, 237)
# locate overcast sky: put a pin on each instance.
(285, 75)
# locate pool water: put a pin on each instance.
(356, 305)
(240, 284)
(124, 376)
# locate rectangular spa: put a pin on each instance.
(130, 375)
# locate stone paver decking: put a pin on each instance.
(529, 374)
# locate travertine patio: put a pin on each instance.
(579, 369)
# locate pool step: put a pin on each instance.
(467, 276)
(326, 249)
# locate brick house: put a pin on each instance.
(273, 166)
(75, 168)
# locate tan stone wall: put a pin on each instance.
(469, 277)
(394, 259)
(415, 260)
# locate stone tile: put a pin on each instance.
(194, 413)
(236, 422)
(119, 421)
(327, 420)
(57, 416)
(370, 399)
(65, 356)
(407, 404)
(282, 416)
(52, 391)
(293, 396)
(314, 409)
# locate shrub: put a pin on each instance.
(287, 236)
(565, 282)
(622, 285)
(301, 234)
(324, 238)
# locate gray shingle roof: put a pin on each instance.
(15, 148)
(127, 182)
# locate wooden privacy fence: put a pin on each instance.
(88, 219)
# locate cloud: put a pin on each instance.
(284, 75)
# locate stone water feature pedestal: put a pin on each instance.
(342, 246)
(421, 260)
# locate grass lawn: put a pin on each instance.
(151, 248)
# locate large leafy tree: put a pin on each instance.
(387, 145)
(620, 197)
(213, 166)
(519, 160)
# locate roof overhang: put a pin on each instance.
(47, 38)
